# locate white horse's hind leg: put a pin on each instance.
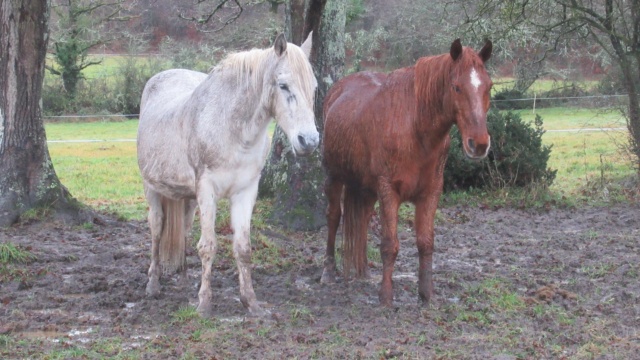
(156, 222)
(241, 208)
(189, 213)
(207, 244)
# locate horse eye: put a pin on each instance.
(456, 88)
(284, 87)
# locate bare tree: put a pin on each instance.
(213, 15)
(27, 177)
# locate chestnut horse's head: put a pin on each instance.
(470, 93)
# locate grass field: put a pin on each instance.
(105, 174)
(540, 86)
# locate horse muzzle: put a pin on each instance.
(476, 149)
(306, 143)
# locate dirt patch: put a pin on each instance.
(509, 284)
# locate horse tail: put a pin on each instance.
(173, 238)
(354, 234)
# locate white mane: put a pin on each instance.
(254, 62)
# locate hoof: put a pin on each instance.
(257, 311)
(328, 276)
(254, 308)
(427, 302)
(183, 280)
(386, 299)
(153, 289)
(366, 274)
(204, 310)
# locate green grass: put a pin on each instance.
(105, 175)
(558, 118)
(102, 175)
(99, 130)
(11, 254)
(185, 314)
(585, 157)
(12, 259)
(106, 69)
(540, 86)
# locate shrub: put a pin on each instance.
(567, 93)
(517, 156)
(131, 76)
(54, 99)
(511, 99)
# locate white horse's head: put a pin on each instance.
(293, 90)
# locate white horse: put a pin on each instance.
(204, 137)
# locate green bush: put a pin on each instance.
(517, 156)
(131, 76)
(54, 99)
(511, 99)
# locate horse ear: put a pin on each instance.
(306, 45)
(485, 53)
(280, 45)
(456, 49)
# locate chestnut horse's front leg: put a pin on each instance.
(389, 246)
(424, 224)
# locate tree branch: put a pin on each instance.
(204, 20)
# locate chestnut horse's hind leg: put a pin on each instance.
(156, 223)
(389, 204)
(333, 191)
(207, 244)
(241, 209)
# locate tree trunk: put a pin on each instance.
(295, 20)
(633, 111)
(297, 183)
(27, 177)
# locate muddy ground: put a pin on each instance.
(510, 284)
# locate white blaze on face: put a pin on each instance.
(475, 80)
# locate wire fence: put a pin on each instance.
(564, 98)
(613, 101)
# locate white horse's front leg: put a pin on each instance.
(207, 244)
(241, 209)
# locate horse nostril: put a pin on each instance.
(472, 144)
(481, 149)
(302, 141)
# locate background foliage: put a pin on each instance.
(517, 156)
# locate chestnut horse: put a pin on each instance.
(386, 138)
